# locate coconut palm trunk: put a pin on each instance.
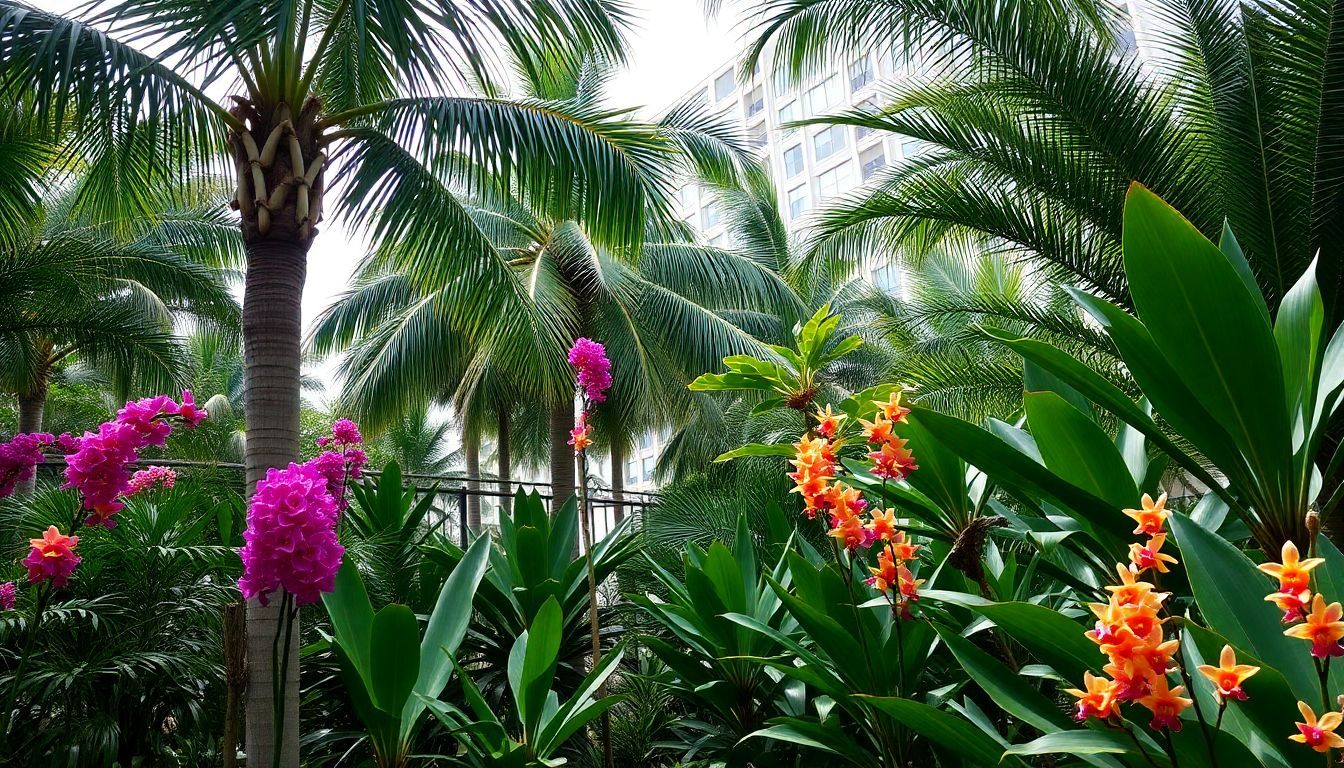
(618, 480)
(471, 445)
(277, 232)
(504, 460)
(32, 404)
(561, 420)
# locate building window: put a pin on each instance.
(911, 148)
(871, 161)
(648, 465)
(793, 161)
(783, 83)
(861, 73)
(868, 106)
(724, 85)
(754, 102)
(632, 472)
(709, 215)
(888, 279)
(822, 97)
(759, 136)
(686, 195)
(787, 114)
(828, 142)
(646, 440)
(717, 241)
(836, 181)
(797, 201)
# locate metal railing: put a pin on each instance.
(452, 492)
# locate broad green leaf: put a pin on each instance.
(1205, 320)
(1298, 331)
(1051, 636)
(942, 473)
(1004, 686)
(944, 729)
(538, 664)
(395, 663)
(811, 734)
(758, 449)
(1230, 591)
(1079, 742)
(447, 626)
(1073, 446)
(351, 616)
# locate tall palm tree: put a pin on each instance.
(345, 97)
(106, 294)
(1038, 119)
(664, 310)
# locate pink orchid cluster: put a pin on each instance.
(97, 462)
(290, 541)
(148, 478)
(19, 459)
(7, 594)
(589, 360)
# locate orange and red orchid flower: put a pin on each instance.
(1294, 574)
(828, 422)
(1166, 703)
(893, 461)
(1294, 606)
(1150, 555)
(1097, 699)
(878, 430)
(892, 410)
(1323, 628)
(1318, 734)
(1228, 676)
(1152, 517)
(882, 527)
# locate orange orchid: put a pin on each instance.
(1096, 700)
(893, 461)
(1131, 591)
(908, 583)
(1322, 627)
(878, 430)
(892, 409)
(883, 525)
(1318, 734)
(850, 532)
(904, 549)
(884, 576)
(828, 423)
(1228, 676)
(1294, 606)
(1150, 555)
(1166, 703)
(1294, 575)
(1152, 517)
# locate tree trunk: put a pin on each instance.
(279, 197)
(471, 445)
(272, 331)
(31, 407)
(504, 461)
(562, 455)
(618, 478)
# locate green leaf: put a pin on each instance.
(538, 664)
(811, 734)
(1298, 331)
(947, 730)
(1072, 445)
(1051, 636)
(351, 616)
(395, 664)
(758, 449)
(447, 626)
(1205, 321)
(1229, 592)
(1005, 687)
(1080, 742)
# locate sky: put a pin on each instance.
(672, 48)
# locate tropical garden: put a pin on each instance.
(1071, 498)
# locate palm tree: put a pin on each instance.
(1038, 119)
(665, 311)
(355, 93)
(106, 295)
